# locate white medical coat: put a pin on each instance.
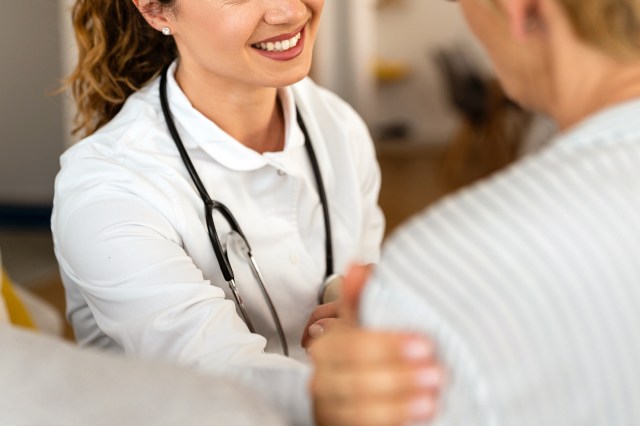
(130, 233)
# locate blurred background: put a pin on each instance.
(409, 67)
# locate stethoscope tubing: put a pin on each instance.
(323, 198)
(210, 205)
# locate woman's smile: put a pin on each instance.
(283, 47)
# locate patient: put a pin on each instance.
(528, 282)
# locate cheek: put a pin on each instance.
(216, 28)
(315, 6)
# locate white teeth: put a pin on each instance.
(279, 46)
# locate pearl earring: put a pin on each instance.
(166, 31)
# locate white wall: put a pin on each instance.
(411, 32)
(345, 52)
(354, 33)
(69, 57)
(30, 117)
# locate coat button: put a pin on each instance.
(293, 258)
(281, 172)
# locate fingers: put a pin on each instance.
(354, 281)
(322, 312)
(386, 382)
(348, 346)
(373, 378)
(382, 413)
(346, 308)
(320, 327)
(328, 310)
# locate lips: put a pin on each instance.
(281, 43)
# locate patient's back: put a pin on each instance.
(530, 285)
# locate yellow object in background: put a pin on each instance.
(18, 314)
(387, 71)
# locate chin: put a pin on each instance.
(292, 77)
(292, 81)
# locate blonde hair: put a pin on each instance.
(118, 52)
(611, 25)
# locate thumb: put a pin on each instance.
(354, 282)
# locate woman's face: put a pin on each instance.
(265, 43)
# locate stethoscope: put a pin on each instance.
(236, 233)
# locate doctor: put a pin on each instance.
(198, 117)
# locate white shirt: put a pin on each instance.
(529, 282)
(131, 238)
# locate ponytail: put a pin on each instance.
(118, 52)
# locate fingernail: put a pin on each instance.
(429, 377)
(421, 408)
(415, 349)
(316, 330)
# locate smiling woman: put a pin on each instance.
(186, 103)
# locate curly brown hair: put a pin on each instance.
(118, 52)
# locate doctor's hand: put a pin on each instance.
(322, 319)
(326, 315)
(372, 378)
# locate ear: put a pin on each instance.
(153, 12)
(523, 16)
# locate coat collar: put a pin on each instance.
(197, 131)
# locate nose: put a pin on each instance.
(286, 12)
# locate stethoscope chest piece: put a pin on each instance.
(331, 289)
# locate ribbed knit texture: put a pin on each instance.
(529, 282)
